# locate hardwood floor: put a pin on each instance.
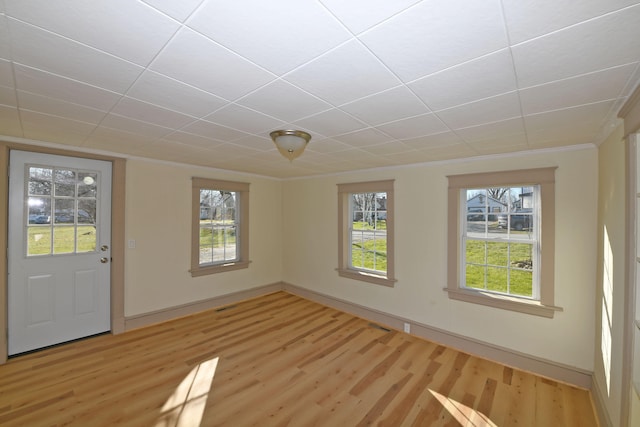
(276, 360)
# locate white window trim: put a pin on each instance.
(545, 178)
(344, 191)
(242, 190)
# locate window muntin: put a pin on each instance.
(62, 206)
(366, 232)
(220, 226)
(500, 240)
(465, 218)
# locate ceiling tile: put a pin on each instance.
(174, 95)
(126, 124)
(179, 10)
(337, 77)
(212, 130)
(196, 60)
(436, 35)
(150, 113)
(358, 15)
(529, 19)
(284, 101)
(426, 124)
(278, 49)
(363, 138)
(586, 118)
(8, 97)
(192, 140)
(10, 121)
(387, 148)
(430, 141)
(45, 127)
(477, 79)
(331, 122)
(5, 47)
(52, 86)
(238, 117)
(49, 52)
(505, 128)
(583, 48)
(108, 26)
(6, 74)
(449, 152)
(327, 145)
(256, 142)
(585, 89)
(488, 110)
(60, 108)
(115, 140)
(387, 106)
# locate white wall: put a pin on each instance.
(158, 218)
(610, 279)
(310, 246)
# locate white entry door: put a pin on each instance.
(59, 249)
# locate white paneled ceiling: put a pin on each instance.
(376, 83)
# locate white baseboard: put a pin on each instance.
(146, 319)
(600, 407)
(525, 362)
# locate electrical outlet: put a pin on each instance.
(132, 244)
(407, 328)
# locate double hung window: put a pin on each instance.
(220, 226)
(365, 229)
(501, 239)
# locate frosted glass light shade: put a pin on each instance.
(290, 143)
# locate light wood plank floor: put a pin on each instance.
(276, 360)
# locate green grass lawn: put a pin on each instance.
(364, 225)
(501, 267)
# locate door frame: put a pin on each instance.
(117, 232)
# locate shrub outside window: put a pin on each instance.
(501, 239)
(220, 226)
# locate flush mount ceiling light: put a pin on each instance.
(290, 143)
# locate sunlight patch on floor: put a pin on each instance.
(464, 414)
(185, 407)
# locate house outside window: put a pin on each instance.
(366, 232)
(220, 226)
(501, 240)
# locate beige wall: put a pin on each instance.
(310, 245)
(610, 279)
(158, 218)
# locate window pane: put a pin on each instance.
(64, 183)
(475, 252)
(87, 184)
(64, 211)
(39, 210)
(475, 275)
(498, 254)
(40, 181)
(86, 239)
(86, 211)
(64, 239)
(497, 279)
(521, 282)
(38, 241)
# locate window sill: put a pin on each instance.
(504, 302)
(366, 277)
(221, 268)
